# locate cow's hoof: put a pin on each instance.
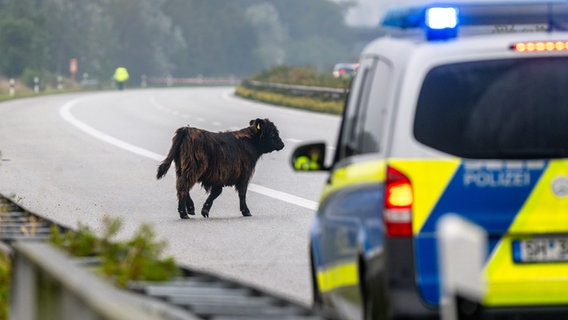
(183, 212)
(246, 214)
(205, 210)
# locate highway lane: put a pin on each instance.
(78, 157)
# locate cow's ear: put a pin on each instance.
(258, 124)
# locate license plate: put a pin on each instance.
(540, 250)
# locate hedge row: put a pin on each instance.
(299, 102)
(305, 76)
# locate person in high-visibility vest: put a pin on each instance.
(120, 76)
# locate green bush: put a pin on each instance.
(4, 285)
(29, 75)
(81, 243)
(306, 76)
(136, 259)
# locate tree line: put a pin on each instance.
(179, 38)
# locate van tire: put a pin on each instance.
(375, 305)
(316, 295)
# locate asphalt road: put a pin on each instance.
(78, 157)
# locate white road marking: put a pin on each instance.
(156, 104)
(65, 112)
(286, 197)
(167, 110)
(67, 116)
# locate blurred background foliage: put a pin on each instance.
(179, 38)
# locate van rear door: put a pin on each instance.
(502, 124)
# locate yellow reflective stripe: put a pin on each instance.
(511, 284)
(341, 275)
(356, 173)
(523, 293)
(372, 171)
(544, 211)
(429, 178)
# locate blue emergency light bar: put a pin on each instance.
(442, 21)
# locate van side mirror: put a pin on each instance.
(309, 157)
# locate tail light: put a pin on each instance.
(399, 198)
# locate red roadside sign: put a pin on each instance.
(73, 66)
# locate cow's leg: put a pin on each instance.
(242, 190)
(215, 192)
(185, 204)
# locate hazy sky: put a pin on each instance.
(366, 13)
(369, 12)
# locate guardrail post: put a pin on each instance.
(24, 296)
(462, 248)
(85, 79)
(36, 84)
(12, 87)
(59, 83)
(143, 82)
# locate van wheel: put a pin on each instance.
(368, 308)
(374, 299)
(316, 295)
(366, 297)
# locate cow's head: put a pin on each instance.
(269, 138)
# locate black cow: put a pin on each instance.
(217, 160)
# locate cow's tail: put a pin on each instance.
(173, 153)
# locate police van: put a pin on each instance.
(461, 109)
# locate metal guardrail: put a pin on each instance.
(47, 283)
(171, 81)
(332, 93)
(17, 224)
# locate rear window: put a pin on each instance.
(498, 109)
